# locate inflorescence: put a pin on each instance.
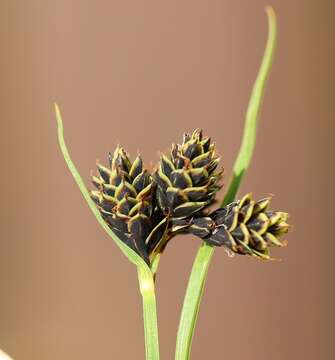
(146, 210)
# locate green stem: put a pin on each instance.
(198, 275)
(147, 289)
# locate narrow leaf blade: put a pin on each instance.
(201, 263)
(130, 254)
(250, 129)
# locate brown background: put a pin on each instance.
(142, 72)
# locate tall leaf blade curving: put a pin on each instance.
(201, 263)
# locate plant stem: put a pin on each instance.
(201, 263)
(147, 289)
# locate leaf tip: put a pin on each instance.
(271, 14)
(56, 108)
(58, 116)
(269, 10)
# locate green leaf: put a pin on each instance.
(250, 128)
(201, 263)
(192, 301)
(145, 275)
(130, 254)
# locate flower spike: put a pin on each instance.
(245, 227)
(187, 181)
(124, 197)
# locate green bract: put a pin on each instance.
(145, 275)
(203, 258)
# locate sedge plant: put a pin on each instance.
(142, 211)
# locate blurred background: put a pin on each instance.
(141, 73)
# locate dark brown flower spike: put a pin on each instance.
(125, 198)
(186, 180)
(244, 227)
